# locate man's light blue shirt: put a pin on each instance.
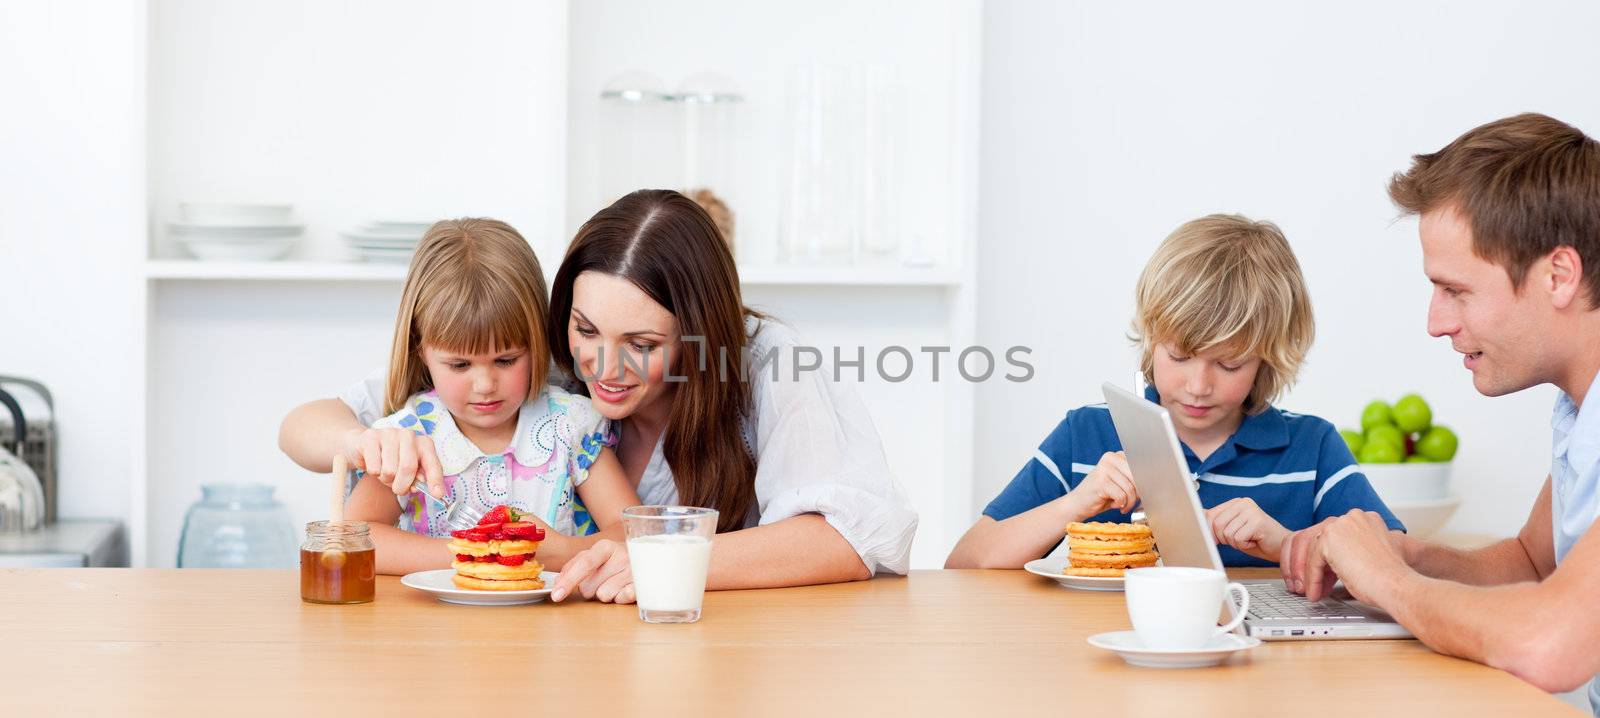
(1575, 479)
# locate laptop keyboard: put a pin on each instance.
(1274, 601)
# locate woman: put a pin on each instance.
(646, 311)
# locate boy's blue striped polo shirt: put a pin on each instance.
(1295, 466)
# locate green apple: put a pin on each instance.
(1381, 452)
(1376, 414)
(1353, 439)
(1411, 413)
(1387, 434)
(1438, 444)
(1418, 459)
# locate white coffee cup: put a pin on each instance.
(1176, 608)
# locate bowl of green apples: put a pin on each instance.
(1407, 458)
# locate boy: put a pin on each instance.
(1223, 321)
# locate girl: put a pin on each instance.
(467, 369)
(791, 461)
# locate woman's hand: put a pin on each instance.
(1242, 524)
(1108, 486)
(601, 571)
(395, 457)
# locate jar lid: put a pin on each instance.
(708, 88)
(635, 86)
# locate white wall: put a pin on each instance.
(72, 175)
(1106, 125)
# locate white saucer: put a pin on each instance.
(438, 583)
(1132, 650)
(1052, 568)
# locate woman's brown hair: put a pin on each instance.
(669, 248)
(474, 287)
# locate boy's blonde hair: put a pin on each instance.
(474, 287)
(1224, 280)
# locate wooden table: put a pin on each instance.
(169, 642)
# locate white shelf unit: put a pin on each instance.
(768, 275)
(226, 347)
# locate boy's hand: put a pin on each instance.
(1242, 524)
(1108, 486)
(397, 458)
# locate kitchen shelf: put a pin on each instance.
(763, 275)
(191, 269)
(889, 276)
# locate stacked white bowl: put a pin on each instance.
(235, 231)
(388, 241)
(1418, 493)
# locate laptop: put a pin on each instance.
(1183, 536)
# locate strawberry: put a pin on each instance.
(474, 535)
(513, 560)
(500, 514)
(484, 559)
(523, 530)
(463, 557)
(461, 534)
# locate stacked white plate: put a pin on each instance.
(235, 232)
(389, 241)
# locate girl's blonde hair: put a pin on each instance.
(474, 287)
(1224, 280)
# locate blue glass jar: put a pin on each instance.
(237, 526)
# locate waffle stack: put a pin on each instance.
(498, 554)
(1102, 549)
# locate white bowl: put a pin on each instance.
(251, 251)
(233, 232)
(226, 212)
(1424, 518)
(1409, 482)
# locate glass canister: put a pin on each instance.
(640, 139)
(337, 563)
(713, 139)
(236, 526)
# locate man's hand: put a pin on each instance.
(1357, 548)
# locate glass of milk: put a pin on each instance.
(669, 549)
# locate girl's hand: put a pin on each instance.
(1108, 486)
(601, 571)
(394, 457)
(1242, 524)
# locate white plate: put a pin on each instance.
(438, 583)
(1132, 650)
(383, 235)
(398, 226)
(406, 244)
(1051, 568)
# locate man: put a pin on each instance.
(1510, 228)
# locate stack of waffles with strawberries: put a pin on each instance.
(498, 553)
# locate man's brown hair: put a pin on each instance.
(1525, 184)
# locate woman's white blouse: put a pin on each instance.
(814, 444)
